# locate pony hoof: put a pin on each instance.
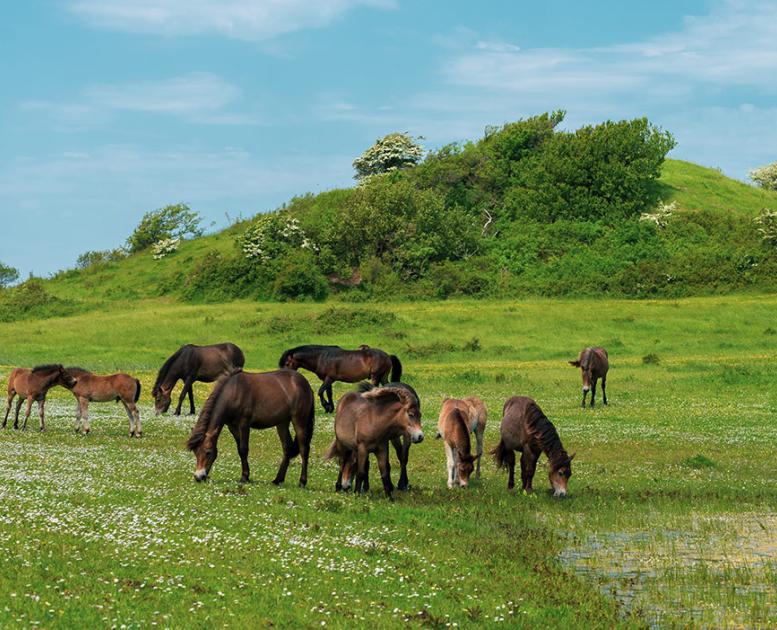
(277, 482)
(302, 484)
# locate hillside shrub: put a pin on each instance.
(31, 300)
(175, 221)
(299, 278)
(8, 275)
(765, 176)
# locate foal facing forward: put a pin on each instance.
(594, 364)
(93, 388)
(365, 423)
(33, 385)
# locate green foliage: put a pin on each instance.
(392, 152)
(30, 299)
(299, 278)
(766, 223)
(174, 221)
(95, 258)
(765, 176)
(8, 275)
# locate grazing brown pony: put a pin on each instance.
(332, 363)
(525, 428)
(594, 363)
(244, 401)
(193, 363)
(459, 418)
(365, 422)
(33, 385)
(93, 388)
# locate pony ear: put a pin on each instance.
(575, 363)
(572, 456)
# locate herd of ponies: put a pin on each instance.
(383, 411)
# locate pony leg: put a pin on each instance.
(510, 457)
(241, 439)
(83, 408)
(27, 412)
(593, 392)
(41, 404)
(584, 395)
(286, 442)
(186, 385)
(479, 437)
(450, 458)
(191, 399)
(402, 448)
(131, 418)
(326, 388)
(385, 470)
(528, 466)
(8, 407)
(136, 413)
(361, 469)
(604, 390)
(366, 485)
(19, 403)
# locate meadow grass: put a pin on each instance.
(669, 521)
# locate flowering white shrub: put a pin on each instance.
(270, 233)
(766, 223)
(660, 216)
(165, 247)
(392, 152)
(765, 176)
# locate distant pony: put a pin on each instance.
(459, 418)
(594, 363)
(332, 363)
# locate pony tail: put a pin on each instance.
(332, 451)
(137, 390)
(500, 454)
(396, 369)
(201, 426)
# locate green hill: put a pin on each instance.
(526, 210)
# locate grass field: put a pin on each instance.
(670, 519)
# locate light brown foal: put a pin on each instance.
(33, 385)
(475, 415)
(90, 387)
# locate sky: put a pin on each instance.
(111, 108)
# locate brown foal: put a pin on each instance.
(33, 385)
(93, 388)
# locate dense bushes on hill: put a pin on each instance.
(526, 210)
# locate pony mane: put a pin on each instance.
(165, 369)
(462, 422)
(203, 420)
(77, 370)
(48, 367)
(308, 348)
(547, 436)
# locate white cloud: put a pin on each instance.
(735, 45)
(255, 20)
(199, 97)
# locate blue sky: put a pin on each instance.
(110, 108)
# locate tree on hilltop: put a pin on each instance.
(392, 152)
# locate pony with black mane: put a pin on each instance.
(594, 363)
(90, 387)
(527, 429)
(333, 363)
(243, 401)
(33, 385)
(192, 363)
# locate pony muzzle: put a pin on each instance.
(416, 436)
(200, 475)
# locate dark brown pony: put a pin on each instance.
(525, 428)
(193, 363)
(245, 401)
(366, 421)
(594, 363)
(33, 385)
(332, 363)
(90, 387)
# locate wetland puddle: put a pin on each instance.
(717, 572)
